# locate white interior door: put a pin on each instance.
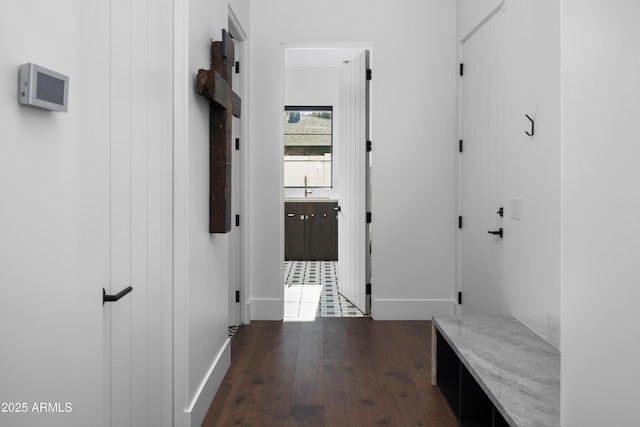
(481, 166)
(367, 178)
(138, 339)
(235, 235)
(351, 159)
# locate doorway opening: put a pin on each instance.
(326, 169)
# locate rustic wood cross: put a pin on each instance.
(215, 85)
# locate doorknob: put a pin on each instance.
(116, 297)
(500, 233)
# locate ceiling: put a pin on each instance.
(319, 57)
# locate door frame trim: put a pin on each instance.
(244, 209)
(484, 21)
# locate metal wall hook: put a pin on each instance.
(532, 125)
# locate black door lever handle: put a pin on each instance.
(116, 297)
(500, 233)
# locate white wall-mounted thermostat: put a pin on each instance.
(43, 88)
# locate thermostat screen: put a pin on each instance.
(50, 89)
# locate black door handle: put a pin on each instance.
(500, 233)
(116, 297)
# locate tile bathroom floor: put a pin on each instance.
(311, 290)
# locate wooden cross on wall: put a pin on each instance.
(215, 85)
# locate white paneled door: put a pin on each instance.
(481, 177)
(137, 327)
(235, 235)
(352, 163)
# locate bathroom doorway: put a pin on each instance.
(327, 165)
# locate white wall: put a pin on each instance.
(314, 86)
(202, 259)
(311, 85)
(54, 209)
(413, 113)
(532, 164)
(530, 76)
(208, 263)
(600, 230)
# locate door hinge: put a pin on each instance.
(368, 289)
(237, 220)
(460, 143)
(461, 69)
(368, 146)
(459, 298)
(237, 143)
(237, 67)
(368, 217)
(237, 296)
(369, 74)
(460, 221)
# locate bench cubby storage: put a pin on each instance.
(495, 372)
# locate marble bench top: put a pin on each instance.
(518, 370)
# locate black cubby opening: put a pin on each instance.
(475, 407)
(448, 374)
(467, 400)
(498, 419)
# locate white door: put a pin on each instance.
(352, 166)
(137, 331)
(367, 178)
(481, 166)
(235, 235)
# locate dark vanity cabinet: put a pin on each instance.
(311, 230)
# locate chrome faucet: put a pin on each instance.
(306, 191)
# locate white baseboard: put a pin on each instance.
(411, 309)
(383, 309)
(204, 396)
(246, 313)
(267, 309)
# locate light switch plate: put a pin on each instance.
(516, 208)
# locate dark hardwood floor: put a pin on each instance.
(333, 372)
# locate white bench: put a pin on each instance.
(495, 372)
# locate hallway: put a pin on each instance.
(330, 372)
